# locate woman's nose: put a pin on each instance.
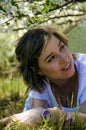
(63, 59)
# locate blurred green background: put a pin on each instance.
(77, 38)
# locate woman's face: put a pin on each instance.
(56, 61)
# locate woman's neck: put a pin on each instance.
(64, 82)
(59, 82)
(65, 90)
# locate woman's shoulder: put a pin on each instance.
(80, 58)
(80, 62)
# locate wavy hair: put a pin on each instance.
(28, 51)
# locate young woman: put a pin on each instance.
(55, 76)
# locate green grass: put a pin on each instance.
(12, 101)
(9, 86)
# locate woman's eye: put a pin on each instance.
(62, 47)
(51, 59)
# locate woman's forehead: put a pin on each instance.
(49, 45)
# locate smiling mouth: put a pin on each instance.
(67, 67)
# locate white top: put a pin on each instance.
(47, 95)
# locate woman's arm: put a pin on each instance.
(27, 117)
(39, 103)
(33, 116)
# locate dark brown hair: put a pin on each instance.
(28, 51)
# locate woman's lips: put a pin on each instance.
(67, 67)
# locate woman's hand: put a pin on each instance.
(31, 116)
(27, 117)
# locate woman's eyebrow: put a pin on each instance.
(48, 56)
(52, 52)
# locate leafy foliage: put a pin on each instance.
(28, 13)
(16, 16)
